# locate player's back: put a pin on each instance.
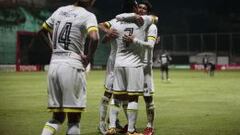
(70, 26)
(70, 29)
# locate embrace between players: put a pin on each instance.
(132, 36)
(129, 70)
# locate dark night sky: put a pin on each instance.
(182, 16)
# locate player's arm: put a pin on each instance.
(135, 18)
(149, 43)
(130, 17)
(127, 17)
(92, 42)
(45, 33)
(93, 38)
(110, 33)
(151, 38)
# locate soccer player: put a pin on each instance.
(205, 62)
(165, 59)
(111, 34)
(69, 26)
(144, 8)
(212, 67)
(128, 72)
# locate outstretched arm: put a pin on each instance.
(149, 42)
(135, 18)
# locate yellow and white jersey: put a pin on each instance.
(130, 55)
(69, 26)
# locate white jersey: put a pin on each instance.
(129, 55)
(151, 36)
(70, 26)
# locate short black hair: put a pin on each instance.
(128, 5)
(147, 3)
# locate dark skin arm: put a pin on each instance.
(45, 35)
(93, 39)
(110, 33)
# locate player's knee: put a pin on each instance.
(74, 117)
(58, 117)
(116, 102)
(150, 105)
(105, 100)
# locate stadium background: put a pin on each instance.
(187, 28)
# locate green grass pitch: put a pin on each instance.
(193, 103)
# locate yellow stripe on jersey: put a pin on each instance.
(47, 27)
(151, 38)
(66, 109)
(92, 28)
(52, 130)
(108, 24)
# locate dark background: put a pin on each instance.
(184, 16)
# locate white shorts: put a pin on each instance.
(148, 81)
(128, 81)
(66, 88)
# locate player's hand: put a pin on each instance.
(139, 20)
(88, 68)
(127, 39)
(112, 33)
(85, 60)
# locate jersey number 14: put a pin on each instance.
(63, 37)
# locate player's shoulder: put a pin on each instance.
(153, 18)
(89, 14)
(153, 26)
(63, 8)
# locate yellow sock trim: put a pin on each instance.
(51, 129)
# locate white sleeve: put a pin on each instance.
(151, 37)
(50, 21)
(126, 16)
(91, 23)
(149, 43)
(149, 19)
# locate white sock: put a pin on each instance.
(73, 129)
(113, 114)
(103, 108)
(50, 128)
(132, 115)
